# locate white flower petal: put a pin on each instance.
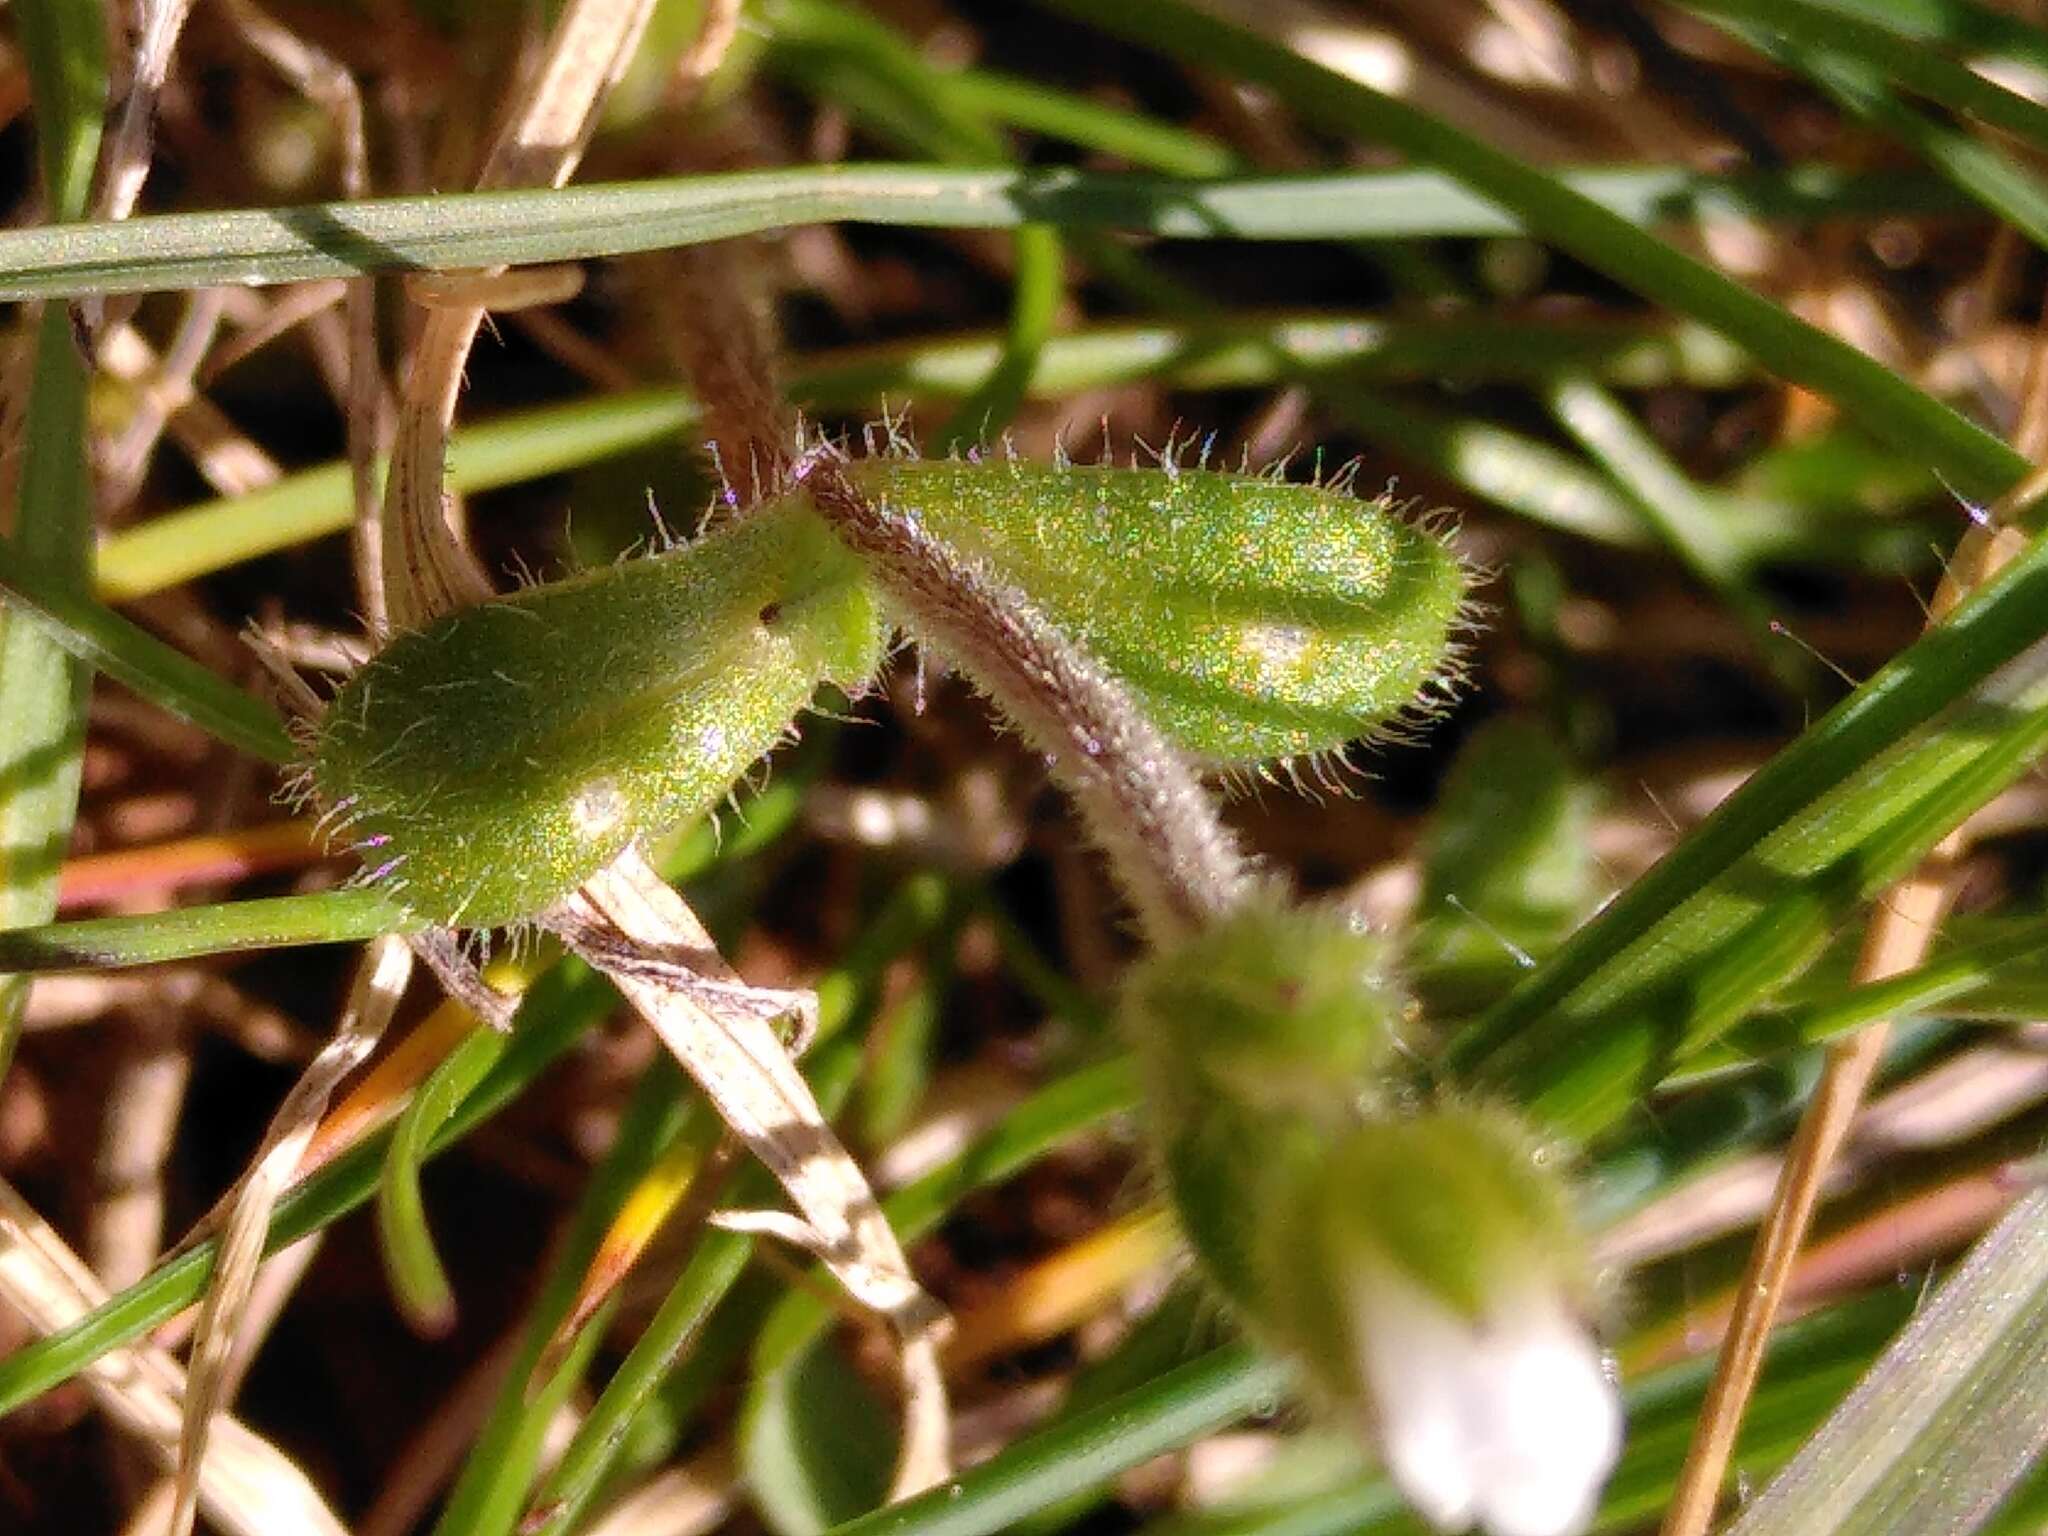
(1512, 1423)
(1553, 1423)
(1412, 1353)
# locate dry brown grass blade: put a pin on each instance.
(427, 569)
(625, 921)
(380, 979)
(323, 80)
(246, 1486)
(232, 464)
(125, 161)
(1901, 931)
(167, 390)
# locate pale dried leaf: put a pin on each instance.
(381, 978)
(733, 1054)
(246, 1486)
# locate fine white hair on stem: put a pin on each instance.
(1142, 802)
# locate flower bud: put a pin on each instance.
(1258, 1039)
(489, 763)
(1423, 1265)
(1433, 1279)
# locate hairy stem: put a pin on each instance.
(1179, 865)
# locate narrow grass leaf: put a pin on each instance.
(1548, 208)
(1948, 1420)
(94, 634)
(271, 922)
(42, 690)
(255, 247)
(1752, 894)
(1179, 1406)
(498, 1472)
(1889, 53)
(1966, 27)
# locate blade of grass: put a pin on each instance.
(1891, 55)
(1547, 208)
(1185, 1403)
(102, 639)
(555, 1015)
(497, 1474)
(1864, 88)
(1790, 845)
(459, 231)
(95, 943)
(1054, 1114)
(1145, 141)
(1684, 517)
(1232, 351)
(1962, 25)
(1980, 1416)
(42, 690)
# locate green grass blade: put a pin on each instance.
(497, 1474)
(1054, 1114)
(95, 943)
(1144, 141)
(42, 690)
(1206, 1394)
(553, 1017)
(1040, 287)
(1993, 977)
(411, 1264)
(1962, 1393)
(1232, 351)
(1891, 54)
(94, 634)
(1548, 208)
(181, 545)
(1966, 27)
(1570, 1010)
(2002, 185)
(471, 229)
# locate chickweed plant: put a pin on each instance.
(1395, 1078)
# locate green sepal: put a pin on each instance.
(1460, 1200)
(1261, 1040)
(486, 765)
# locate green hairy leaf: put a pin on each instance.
(487, 765)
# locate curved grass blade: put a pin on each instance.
(478, 229)
(104, 640)
(1548, 208)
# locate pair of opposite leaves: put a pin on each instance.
(488, 764)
